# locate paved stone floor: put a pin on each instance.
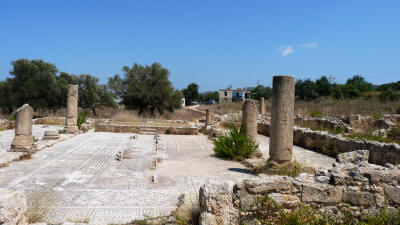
(85, 180)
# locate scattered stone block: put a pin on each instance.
(51, 134)
(392, 193)
(359, 198)
(13, 207)
(154, 179)
(325, 194)
(353, 157)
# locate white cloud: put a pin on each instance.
(286, 50)
(313, 44)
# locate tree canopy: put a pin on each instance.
(146, 89)
(36, 82)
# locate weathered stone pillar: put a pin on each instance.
(282, 120)
(249, 121)
(23, 141)
(72, 110)
(262, 106)
(209, 117)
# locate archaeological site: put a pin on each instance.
(55, 170)
(199, 112)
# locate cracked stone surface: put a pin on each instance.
(85, 180)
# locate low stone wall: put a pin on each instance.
(136, 129)
(6, 124)
(352, 184)
(329, 144)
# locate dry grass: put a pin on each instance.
(39, 205)
(184, 114)
(221, 109)
(83, 218)
(51, 121)
(125, 116)
(291, 169)
(346, 107)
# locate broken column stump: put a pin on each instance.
(262, 106)
(282, 120)
(23, 140)
(209, 117)
(249, 122)
(72, 110)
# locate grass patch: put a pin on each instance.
(316, 113)
(234, 145)
(392, 137)
(39, 205)
(82, 117)
(291, 169)
(84, 218)
(267, 211)
(187, 213)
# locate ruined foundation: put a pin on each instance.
(72, 110)
(282, 120)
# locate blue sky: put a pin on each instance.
(213, 43)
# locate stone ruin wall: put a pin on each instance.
(136, 129)
(352, 185)
(329, 144)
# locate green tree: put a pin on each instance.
(306, 90)
(211, 95)
(147, 88)
(359, 83)
(34, 82)
(62, 84)
(92, 95)
(116, 85)
(323, 86)
(6, 96)
(191, 93)
(261, 91)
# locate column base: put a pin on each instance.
(71, 129)
(23, 143)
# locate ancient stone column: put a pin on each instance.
(209, 117)
(262, 106)
(23, 141)
(72, 110)
(249, 121)
(282, 120)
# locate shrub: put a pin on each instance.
(168, 131)
(82, 116)
(316, 113)
(394, 133)
(234, 145)
(337, 130)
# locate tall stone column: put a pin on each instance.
(282, 120)
(72, 110)
(23, 141)
(249, 121)
(262, 106)
(209, 117)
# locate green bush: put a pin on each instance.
(316, 113)
(234, 145)
(82, 116)
(337, 130)
(394, 133)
